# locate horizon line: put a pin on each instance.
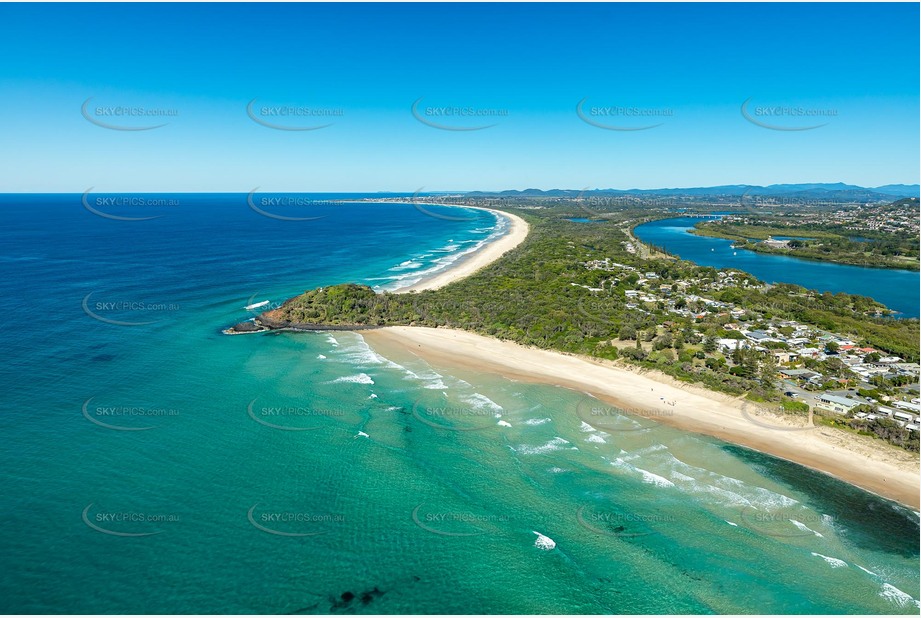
(417, 190)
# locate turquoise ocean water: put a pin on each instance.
(153, 465)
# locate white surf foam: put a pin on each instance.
(361, 378)
(543, 542)
(891, 593)
(407, 265)
(833, 562)
(480, 401)
(655, 479)
(556, 444)
(360, 353)
(805, 528)
(645, 475)
(866, 570)
(731, 491)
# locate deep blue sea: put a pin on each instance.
(897, 289)
(151, 464)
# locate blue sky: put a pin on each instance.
(852, 68)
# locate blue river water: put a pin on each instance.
(897, 289)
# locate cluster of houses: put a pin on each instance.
(864, 362)
(905, 413)
(872, 217)
(804, 342)
(856, 217)
(788, 341)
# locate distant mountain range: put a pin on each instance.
(837, 191)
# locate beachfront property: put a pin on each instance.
(805, 356)
(910, 406)
(911, 422)
(841, 405)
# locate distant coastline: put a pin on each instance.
(484, 256)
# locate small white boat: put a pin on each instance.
(256, 305)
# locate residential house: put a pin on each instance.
(841, 405)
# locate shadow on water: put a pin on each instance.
(861, 518)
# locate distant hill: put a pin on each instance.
(907, 201)
(898, 190)
(838, 191)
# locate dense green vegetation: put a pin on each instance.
(533, 296)
(545, 293)
(883, 428)
(821, 241)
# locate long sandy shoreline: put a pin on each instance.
(861, 461)
(485, 255)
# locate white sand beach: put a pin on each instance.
(867, 463)
(862, 461)
(485, 255)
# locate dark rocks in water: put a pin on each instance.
(249, 326)
(264, 322)
(246, 327)
(369, 595)
(346, 598)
